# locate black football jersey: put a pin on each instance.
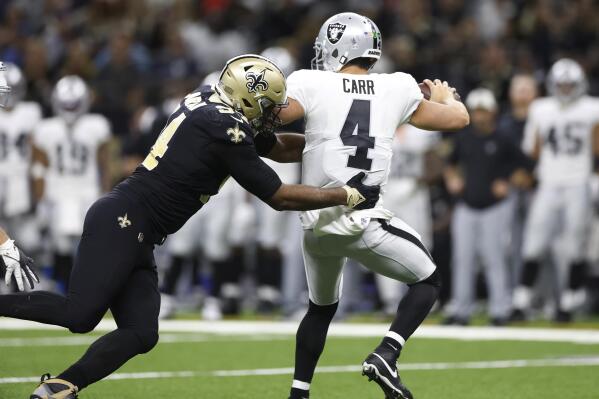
(203, 143)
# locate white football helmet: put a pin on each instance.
(567, 80)
(70, 98)
(345, 37)
(16, 83)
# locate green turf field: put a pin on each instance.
(204, 359)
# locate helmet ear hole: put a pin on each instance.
(335, 53)
(246, 103)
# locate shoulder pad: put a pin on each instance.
(224, 124)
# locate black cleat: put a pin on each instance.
(54, 388)
(563, 316)
(386, 375)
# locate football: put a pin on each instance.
(426, 92)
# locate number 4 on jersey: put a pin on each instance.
(358, 121)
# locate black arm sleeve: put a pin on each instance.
(246, 167)
(264, 143)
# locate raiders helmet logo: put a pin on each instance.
(335, 31)
(256, 82)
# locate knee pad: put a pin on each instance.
(148, 338)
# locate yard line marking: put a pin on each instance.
(346, 330)
(79, 340)
(494, 364)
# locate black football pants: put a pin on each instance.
(114, 269)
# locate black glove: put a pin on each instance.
(359, 195)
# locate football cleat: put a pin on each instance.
(377, 369)
(54, 388)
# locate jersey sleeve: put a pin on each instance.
(298, 88)
(410, 94)
(249, 170)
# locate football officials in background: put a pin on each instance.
(207, 139)
(562, 132)
(481, 170)
(70, 158)
(351, 118)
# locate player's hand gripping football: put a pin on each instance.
(360, 195)
(439, 92)
(17, 264)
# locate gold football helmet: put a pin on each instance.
(254, 86)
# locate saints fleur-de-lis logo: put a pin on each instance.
(236, 134)
(256, 82)
(123, 221)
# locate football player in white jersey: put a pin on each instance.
(407, 195)
(351, 117)
(562, 132)
(70, 159)
(17, 121)
(277, 231)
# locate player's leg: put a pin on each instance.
(465, 242)
(324, 274)
(578, 216)
(494, 230)
(135, 311)
(102, 264)
(538, 231)
(394, 249)
(272, 228)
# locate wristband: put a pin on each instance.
(354, 197)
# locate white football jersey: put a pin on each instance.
(350, 124)
(566, 155)
(72, 155)
(409, 149)
(16, 126)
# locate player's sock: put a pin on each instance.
(299, 390)
(578, 274)
(412, 310)
(309, 344)
(107, 354)
(530, 271)
(172, 275)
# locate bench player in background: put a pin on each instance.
(207, 139)
(17, 121)
(351, 118)
(70, 153)
(562, 133)
(12, 260)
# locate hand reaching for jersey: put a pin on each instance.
(360, 195)
(17, 264)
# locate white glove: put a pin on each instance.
(18, 264)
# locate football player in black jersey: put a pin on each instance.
(207, 139)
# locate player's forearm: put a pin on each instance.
(298, 197)
(3, 236)
(288, 148)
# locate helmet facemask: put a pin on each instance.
(269, 119)
(4, 87)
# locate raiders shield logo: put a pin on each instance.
(256, 82)
(335, 31)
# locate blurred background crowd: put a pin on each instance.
(138, 58)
